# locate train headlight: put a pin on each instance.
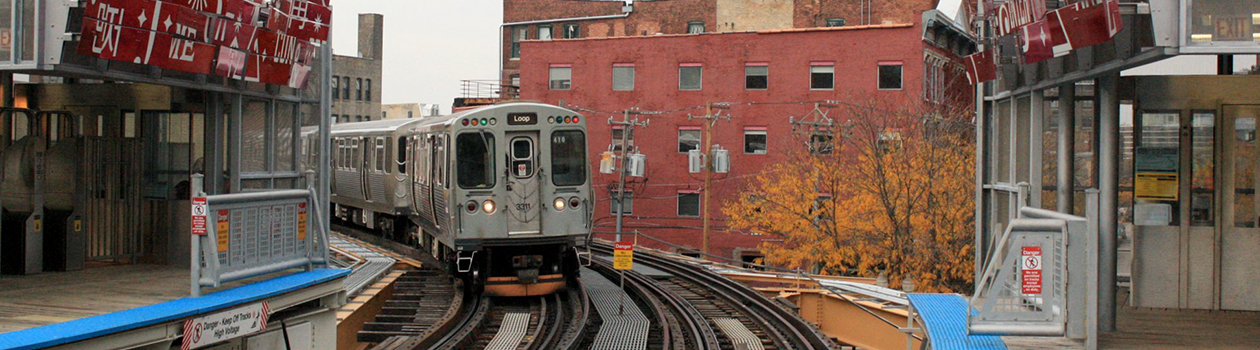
(574, 202)
(488, 206)
(471, 206)
(558, 204)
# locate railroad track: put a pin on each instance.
(677, 325)
(747, 319)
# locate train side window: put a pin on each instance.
(355, 157)
(402, 154)
(475, 160)
(380, 154)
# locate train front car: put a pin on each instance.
(523, 192)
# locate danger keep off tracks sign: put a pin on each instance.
(1030, 269)
(623, 256)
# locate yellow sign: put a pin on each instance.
(78, 225)
(223, 227)
(301, 231)
(1156, 186)
(39, 225)
(623, 256)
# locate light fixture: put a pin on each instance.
(558, 204)
(488, 206)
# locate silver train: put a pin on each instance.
(501, 193)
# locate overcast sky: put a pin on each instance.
(430, 45)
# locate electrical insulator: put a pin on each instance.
(607, 162)
(721, 161)
(637, 166)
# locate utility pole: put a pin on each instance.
(709, 120)
(627, 127)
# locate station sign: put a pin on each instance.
(199, 210)
(1014, 14)
(217, 327)
(1078, 25)
(623, 256)
(222, 230)
(1030, 269)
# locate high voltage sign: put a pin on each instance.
(623, 256)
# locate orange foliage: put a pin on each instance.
(896, 197)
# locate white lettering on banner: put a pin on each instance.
(1014, 14)
(231, 324)
(108, 40)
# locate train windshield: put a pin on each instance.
(475, 154)
(568, 158)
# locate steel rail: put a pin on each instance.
(697, 328)
(772, 318)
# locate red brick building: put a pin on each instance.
(785, 70)
(569, 19)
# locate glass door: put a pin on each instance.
(1240, 237)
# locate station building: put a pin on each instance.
(113, 126)
(770, 73)
(356, 79)
(1161, 163)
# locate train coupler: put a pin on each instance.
(464, 261)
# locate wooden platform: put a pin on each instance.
(54, 297)
(1166, 329)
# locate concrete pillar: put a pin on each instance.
(1067, 149)
(1108, 185)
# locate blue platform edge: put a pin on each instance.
(944, 318)
(96, 326)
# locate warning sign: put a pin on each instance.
(6, 39)
(623, 256)
(1156, 186)
(231, 324)
(199, 211)
(1030, 269)
(223, 227)
(301, 231)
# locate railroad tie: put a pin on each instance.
(513, 329)
(739, 334)
(625, 330)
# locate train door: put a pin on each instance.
(1240, 237)
(437, 181)
(523, 190)
(365, 160)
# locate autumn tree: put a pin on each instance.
(893, 195)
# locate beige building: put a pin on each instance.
(409, 110)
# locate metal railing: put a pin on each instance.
(488, 89)
(253, 234)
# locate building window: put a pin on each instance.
(688, 139)
(515, 80)
(358, 89)
(821, 144)
(561, 77)
(623, 77)
(690, 76)
(367, 91)
(822, 75)
(695, 27)
(689, 204)
(544, 32)
(334, 119)
(890, 75)
(518, 35)
(756, 76)
(629, 200)
(345, 88)
(572, 31)
(336, 86)
(616, 139)
(835, 22)
(384, 115)
(755, 141)
(409, 116)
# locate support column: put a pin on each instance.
(1036, 124)
(1108, 185)
(1067, 149)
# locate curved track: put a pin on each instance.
(760, 315)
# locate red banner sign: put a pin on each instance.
(200, 209)
(151, 15)
(981, 67)
(125, 44)
(236, 10)
(1017, 13)
(307, 10)
(301, 28)
(1082, 24)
